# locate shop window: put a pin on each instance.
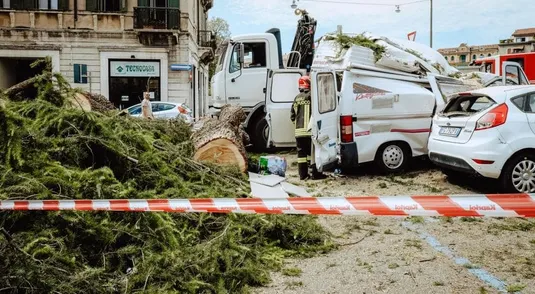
(129, 79)
(106, 5)
(326, 93)
(80, 73)
(255, 56)
(35, 4)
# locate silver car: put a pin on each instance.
(165, 110)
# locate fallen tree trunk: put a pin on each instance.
(222, 140)
(25, 84)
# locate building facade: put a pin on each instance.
(522, 41)
(117, 48)
(464, 54)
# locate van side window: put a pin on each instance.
(326, 93)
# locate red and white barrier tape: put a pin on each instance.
(514, 205)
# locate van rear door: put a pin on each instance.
(281, 89)
(325, 119)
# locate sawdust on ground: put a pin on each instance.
(385, 255)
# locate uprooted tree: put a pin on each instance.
(51, 150)
(222, 140)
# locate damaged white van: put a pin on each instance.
(361, 112)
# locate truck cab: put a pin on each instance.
(244, 64)
(240, 78)
(243, 83)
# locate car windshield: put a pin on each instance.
(467, 105)
(134, 110)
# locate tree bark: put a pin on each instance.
(24, 85)
(221, 140)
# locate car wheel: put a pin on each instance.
(259, 135)
(392, 157)
(519, 174)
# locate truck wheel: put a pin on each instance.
(519, 174)
(259, 135)
(392, 157)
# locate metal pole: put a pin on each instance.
(431, 26)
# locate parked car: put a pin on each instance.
(166, 110)
(488, 132)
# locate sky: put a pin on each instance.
(476, 22)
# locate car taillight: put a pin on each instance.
(493, 118)
(346, 128)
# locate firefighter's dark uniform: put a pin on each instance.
(300, 115)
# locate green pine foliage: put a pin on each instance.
(345, 42)
(50, 150)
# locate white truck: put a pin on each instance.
(363, 112)
(243, 66)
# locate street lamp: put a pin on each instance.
(430, 21)
(294, 5)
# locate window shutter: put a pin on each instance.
(143, 3)
(63, 5)
(91, 5)
(77, 72)
(174, 3)
(84, 74)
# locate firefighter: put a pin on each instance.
(301, 116)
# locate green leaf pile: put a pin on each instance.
(50, 150)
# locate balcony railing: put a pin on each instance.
(156, 18)
(206, 39)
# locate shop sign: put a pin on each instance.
(134, 69)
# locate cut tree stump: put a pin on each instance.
(222, 140)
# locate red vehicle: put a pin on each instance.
(494, 64)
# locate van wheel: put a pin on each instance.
(259, 135)
(519, 174)
(392, 157)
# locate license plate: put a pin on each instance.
(450, 132)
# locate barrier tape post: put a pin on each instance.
(501, 205)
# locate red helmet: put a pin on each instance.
(304, 82)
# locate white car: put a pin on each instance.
(164, 110)
(488, 132)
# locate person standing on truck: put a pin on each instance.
(301, 114)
